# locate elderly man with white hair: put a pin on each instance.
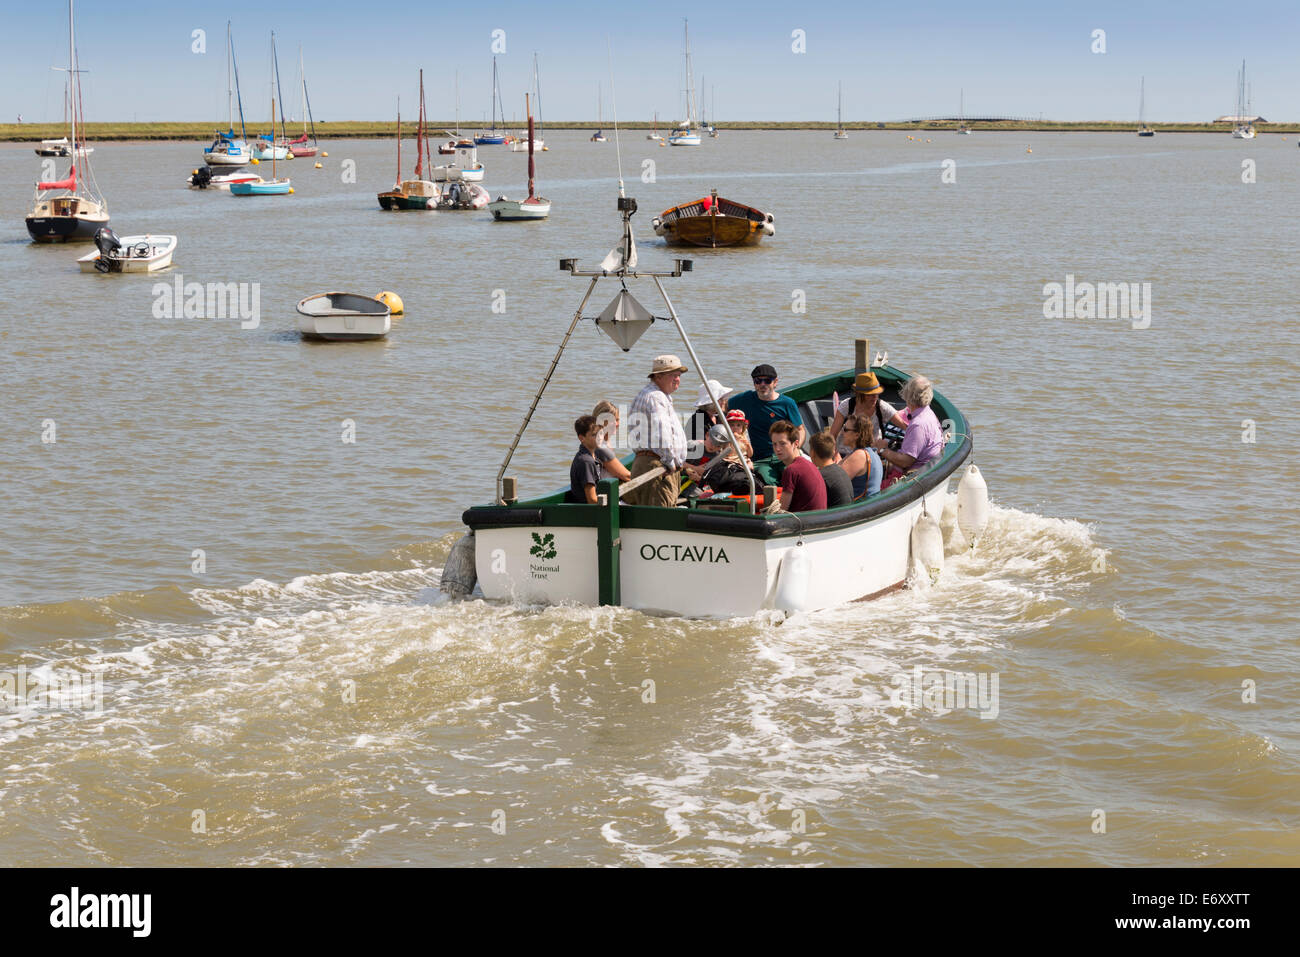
(923, 441)
(656, 434)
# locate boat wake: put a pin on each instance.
(361, 718)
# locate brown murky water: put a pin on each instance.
(310, 695)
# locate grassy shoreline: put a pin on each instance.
(381, 129)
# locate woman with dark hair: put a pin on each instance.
(862, 463)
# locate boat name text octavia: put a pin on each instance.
(685, 553)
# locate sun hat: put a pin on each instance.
(719, 390)
(667, 363)
(867, 384)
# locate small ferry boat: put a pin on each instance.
(712, 222)
(715, 557)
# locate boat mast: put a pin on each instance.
(1142, 105)
(839, 110)
(307, 100)
(690, 78)
(284, 134)
(273, 176)
(419, 132)
(72, 100)
(537, 90)
(458, 104)
(495, 94)
(531, 169)
(399, 141)
(239, 97)
(230, 93)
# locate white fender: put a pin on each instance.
(792, 580)
(459, 574)
(972, 504)
(927, 546)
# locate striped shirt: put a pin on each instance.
(654, 426)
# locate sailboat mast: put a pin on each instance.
(275, 59)
(307, 100)
(72, 79)
(273, 176)
(839, 110)
(690, 77)
(494, 94)
(239, 97)
(419, 132)
(399, 141)
(458, 104)
(531, 169)
(537, 89)
(230, 93)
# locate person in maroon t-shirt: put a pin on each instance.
(802, 487)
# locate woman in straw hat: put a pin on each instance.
(865, 401)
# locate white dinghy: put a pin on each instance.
(146, 253)
(343, 317)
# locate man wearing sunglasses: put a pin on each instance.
(763, 405)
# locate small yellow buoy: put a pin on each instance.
(1027, 150)
(255, 161)
(291, 189)
(392, 300)
(324, 154)
(319, 166)
(194, 173)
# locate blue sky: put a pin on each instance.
(896, 60)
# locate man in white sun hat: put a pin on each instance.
(656, 433)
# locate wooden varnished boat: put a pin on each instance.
(712, 222)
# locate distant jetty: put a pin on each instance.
(383, 129)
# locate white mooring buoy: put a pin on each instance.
(972, 505)
(459, 574)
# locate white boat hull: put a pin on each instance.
(458, 174)
(521, 145)
(344, 328)
(701, 575)
(277, 153)
(156, 254)
(518, 209)
(686, 139)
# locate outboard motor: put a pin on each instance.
(107, 241)
(108, 244)
(202, 177)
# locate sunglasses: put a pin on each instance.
(849, 428)
(764, 380)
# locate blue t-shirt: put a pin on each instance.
(761, 415)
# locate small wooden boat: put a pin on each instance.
(534, 207)
(343, 317)
(206, 178)
(712, 222)
(145, 253)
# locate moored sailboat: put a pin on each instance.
(534, 132)
(416, 193)
(840, 132)
(492, 137)
(1143, 129)
(69, 210)
(226, 149)
(687, 132)
(267, 146)
(534, 207)
(300, 148)
(1243, 129)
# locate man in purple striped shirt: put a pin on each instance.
(923, 441)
